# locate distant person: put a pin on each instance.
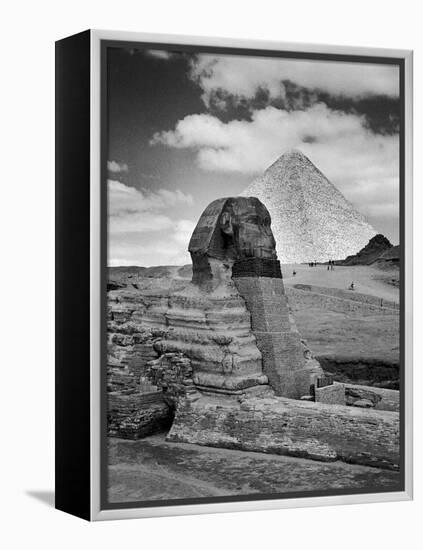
(328, 267)
(351, 287)
(294, 273)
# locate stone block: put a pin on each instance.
(283, 426)
(332, 395)
(257, 267)
(137, 415)
(283, 352)
(380, 398)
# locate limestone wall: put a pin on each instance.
(136, 415)
(290, 427)
(214, 331)
(143, 385)
(281, 346)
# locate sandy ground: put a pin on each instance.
(346, 334)
(367, 279)
(330, 333)
(151, 469)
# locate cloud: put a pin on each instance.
(159, 54)
(124, 200)
(141, 230)
(244, 76)
(148, 249)
(363, 165)
(116, 167)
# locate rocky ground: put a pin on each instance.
(152, 469)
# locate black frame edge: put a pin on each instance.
(72, 248)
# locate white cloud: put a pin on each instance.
(141, 229)
(159, 54)
(145, 249)
(363, 165)
(116, 167)
(243, 76)
(137, 210)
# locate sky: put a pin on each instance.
(185, 129)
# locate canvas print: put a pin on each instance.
(253, 221)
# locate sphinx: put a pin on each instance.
(233, 320)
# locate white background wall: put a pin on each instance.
(28, 32)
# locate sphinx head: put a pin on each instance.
(231, 231)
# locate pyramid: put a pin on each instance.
(311, 219)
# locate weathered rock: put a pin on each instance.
(332, 395)
(370, 253)
(291, 427)
(135, 406)
(154, 469)
(363, 403)
(137, 415)
(213, 330)
(381, 398)
(287, 362)
(232, 230)
(172, 375)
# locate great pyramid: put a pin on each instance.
(311, 219)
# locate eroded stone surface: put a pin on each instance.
(152, 469)
(380, 398)
(137, 415)
(291, 427)
(332, 395)
(232, 229)
(213, 329)
(142, 385)
(287, 361)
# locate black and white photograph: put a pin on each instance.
(253, 344)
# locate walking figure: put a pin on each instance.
(351, 286)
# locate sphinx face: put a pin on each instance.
(229, 230)
(246, 222)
